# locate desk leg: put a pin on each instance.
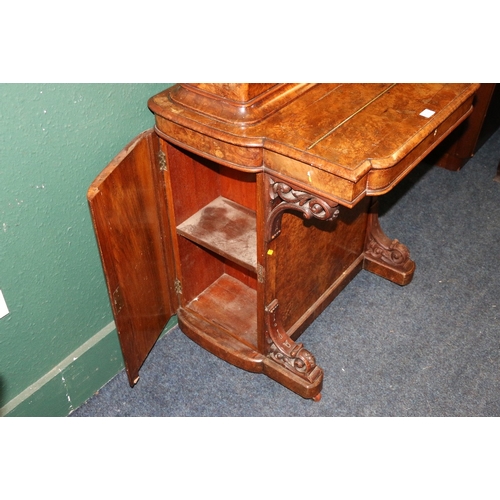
(497, 177)
(383, 256)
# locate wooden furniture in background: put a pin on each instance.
(251, 206)
(461, 145)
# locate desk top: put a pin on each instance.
(343, 141)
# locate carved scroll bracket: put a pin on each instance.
(285, 351)
(383, 249)
(385, 257)
(284, 197)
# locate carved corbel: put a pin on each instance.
(385, 257)
(284, 197)
(382, 248)
(283, 350)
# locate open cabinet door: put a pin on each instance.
(128, 207)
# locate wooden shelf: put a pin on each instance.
(231, 305)
(227, 229)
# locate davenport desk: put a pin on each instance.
(249, 207)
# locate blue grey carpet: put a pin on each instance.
(428, 349)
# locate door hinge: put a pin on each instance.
(178, 287)
(162, 161)
(261, 274)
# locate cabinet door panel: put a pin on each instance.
(127, 205)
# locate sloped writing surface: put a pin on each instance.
(125, 204)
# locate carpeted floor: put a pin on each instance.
(428, 349)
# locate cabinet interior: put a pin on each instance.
(215, 220)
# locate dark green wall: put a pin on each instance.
(58, 344)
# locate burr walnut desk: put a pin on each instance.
(249, 207)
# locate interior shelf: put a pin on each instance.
(227, 229)
(229, 304)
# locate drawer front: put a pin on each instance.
(248, 159)
(382, 179)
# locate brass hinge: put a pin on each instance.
(178, 287)
(162, 161)
(261, 274)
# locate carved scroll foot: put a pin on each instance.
(288, 362)
(385, 257)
